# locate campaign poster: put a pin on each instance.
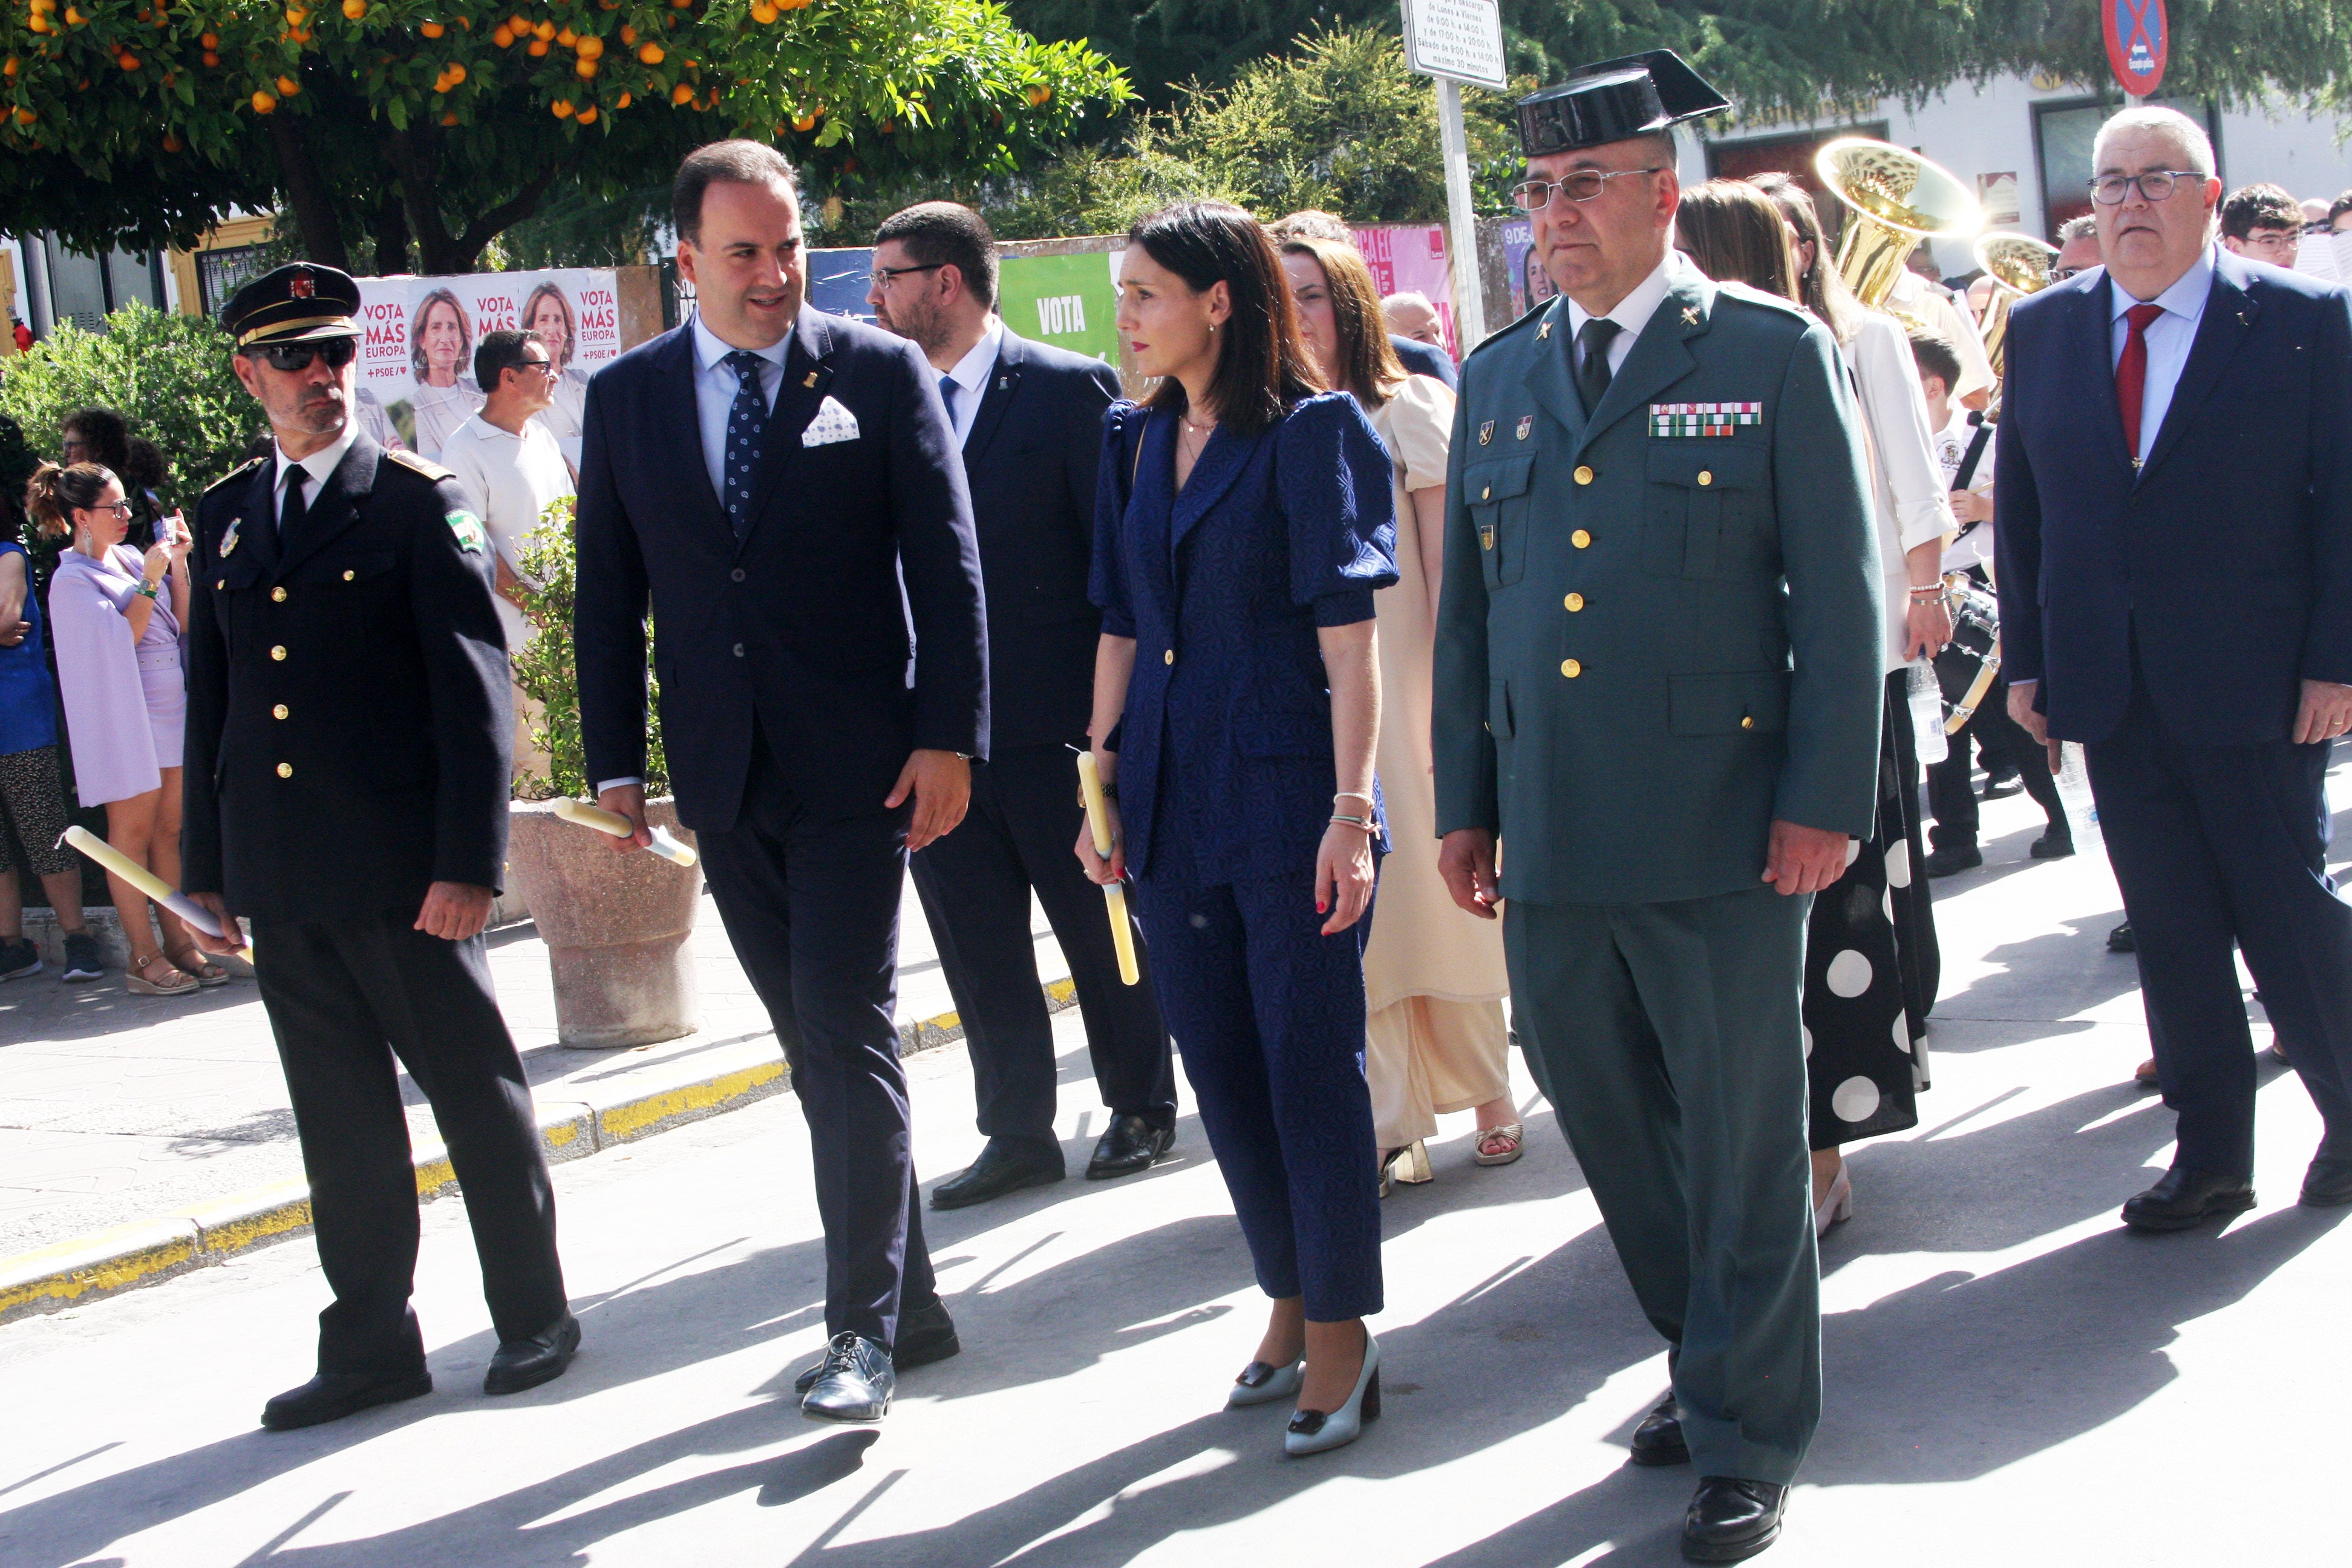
(1530, 284)
(1412, 259)
(418, 335)
(1066, 301)
(838, 281)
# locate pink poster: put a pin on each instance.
(1412, 259)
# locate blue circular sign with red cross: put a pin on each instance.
(2138, 43)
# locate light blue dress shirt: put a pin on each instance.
(714, 393)
(2170, 337)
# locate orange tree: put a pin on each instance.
(430, 126)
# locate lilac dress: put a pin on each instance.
(126, 707)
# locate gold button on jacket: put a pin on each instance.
(286, 770)
(1580, 539)
(278, 711)
(278, 652)
(1575, 602)
(1168, 658)
(1705, 476)
(349, 575)
(1583, 473)
(1571, 669)
(276, 595)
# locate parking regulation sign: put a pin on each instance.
(2139, 41)
(1459, 38)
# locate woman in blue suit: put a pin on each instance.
(1242, 521)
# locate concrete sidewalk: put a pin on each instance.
(141, 1136)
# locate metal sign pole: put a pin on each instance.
(1469, 301)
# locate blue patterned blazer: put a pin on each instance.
(1226, 769)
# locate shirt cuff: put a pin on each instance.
(617, 783)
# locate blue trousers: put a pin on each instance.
(2216, 844)
(1268, 1015)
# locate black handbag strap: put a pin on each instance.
(1975, 453)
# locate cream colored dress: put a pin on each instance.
(1433, 975)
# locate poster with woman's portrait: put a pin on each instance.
(416, 382)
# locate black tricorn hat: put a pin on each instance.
(291, 303)
(1634, 95)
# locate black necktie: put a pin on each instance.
(1593, 373)
(747, 422)
(290, 515)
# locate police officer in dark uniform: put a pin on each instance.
(348, 754)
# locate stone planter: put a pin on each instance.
(615, 928)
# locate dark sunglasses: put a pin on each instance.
(292, 357)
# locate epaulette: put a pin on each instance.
(236, 473)
(1537, 308)
(1747, 295)
(426, 465)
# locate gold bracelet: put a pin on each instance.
(1353, 822)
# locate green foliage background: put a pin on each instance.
(168, 375)
(548, 673)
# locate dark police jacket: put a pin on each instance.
(350, 729)
(1032, 460)
(803, 623)
(2224, 566)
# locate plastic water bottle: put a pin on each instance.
(1926, 698)
(2074, 793)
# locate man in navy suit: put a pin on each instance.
(767, 477)
(2175, 582)
(1029, 419)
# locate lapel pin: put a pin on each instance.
(1690, 315)
(1543, 329)
(1485, 432)
(1527, 423)
(811, 382)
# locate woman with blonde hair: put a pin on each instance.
(118, 615)
(1435, 1042)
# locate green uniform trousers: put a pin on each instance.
(1666, 1037)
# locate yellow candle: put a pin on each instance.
(613, 822)
(1098, 820)
(121, 864)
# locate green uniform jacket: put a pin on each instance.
(1660, 627)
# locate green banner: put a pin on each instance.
(1066, 301)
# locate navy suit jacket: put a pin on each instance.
(2225, 562)
(1422, 359)
(1034, 450)
(802, 623)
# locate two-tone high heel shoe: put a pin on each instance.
(1408, 1165)
(1313, 1431)
(1262, 1382)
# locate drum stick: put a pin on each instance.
(1122, 935)
(620, 826)
(115, 861)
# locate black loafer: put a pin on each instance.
(2002, 788)
(1003, 1167)
(1731, 1520)
(2183, 1199)
(1951, 860)
(1129, 1144)
(331, 1396)
(925, 1335)
(1658, 1440)
(2055, 843)
(854, 1385)
(2120, 940)
(541, 1358)
(2327, 1184)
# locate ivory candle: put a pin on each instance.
(586, 816)
(1122, 935)
(121, 864)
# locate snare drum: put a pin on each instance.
(1967, 665)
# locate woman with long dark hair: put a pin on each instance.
(1243, 525)
(1871, 957)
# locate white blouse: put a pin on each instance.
(1907, 495)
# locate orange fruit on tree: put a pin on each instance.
(211, 59)
(262, 102)
(585, 69)
(588, 115)
(501, 38)
(355, 10)
(288, 87)
(763, 12)
(567, 37)
(172, 143)
(432, 29)
(126, 60)
(681, 93)
(561, 109)
(538, 49)
(25, 117)
(591, 46)
(623, 101)
(454, 72)
(544, 32)
(651, 53)
(210, 40)
(518, 24)
(628, 34)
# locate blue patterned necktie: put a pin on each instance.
(747, 422)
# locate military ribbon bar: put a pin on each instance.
(1703, 418)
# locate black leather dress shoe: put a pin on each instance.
(926, 1334)
(331, 1396)
(1003, 1167)
(2183, 1198)
(1731, 1520)
(2002, 788)
(2327, 1184)
(2055, 843)
(1952, 859)
(1128, 1146)
(855, 1385)
(1658, 1440)
(2120, 940)
(525, 1363)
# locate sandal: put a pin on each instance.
(1409, 1166)
(1501, 1145)
(177, 981)
(193, 963)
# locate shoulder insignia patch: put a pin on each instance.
(240, 471)
(426, 465)
(472, 538)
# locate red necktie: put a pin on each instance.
(2131, 373)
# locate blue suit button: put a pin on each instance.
(739, 651)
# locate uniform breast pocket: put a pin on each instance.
(1705, 514)
(1496, 496)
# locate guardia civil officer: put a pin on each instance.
(1657, 681)
(346, 789)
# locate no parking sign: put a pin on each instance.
(2139, 41)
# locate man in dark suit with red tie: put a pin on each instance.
(1029, 419)
(781, 487)
(2176, 583)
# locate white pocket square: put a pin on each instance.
(833, 423)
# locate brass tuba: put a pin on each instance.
(2018, 265)
(1896, 199)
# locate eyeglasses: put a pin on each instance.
(292, 357)
(2109, 190)
(119, 508)
(2272, 240)
(882, 277)
(2060, 274)
(1579, 186)
(544, 366)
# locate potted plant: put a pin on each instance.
(615, 925)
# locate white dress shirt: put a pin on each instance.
(971, 377)
(318, 466)
(2170, 337)
(1974, 547)
(714, 393)
(507, 482)
(1631, 313)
